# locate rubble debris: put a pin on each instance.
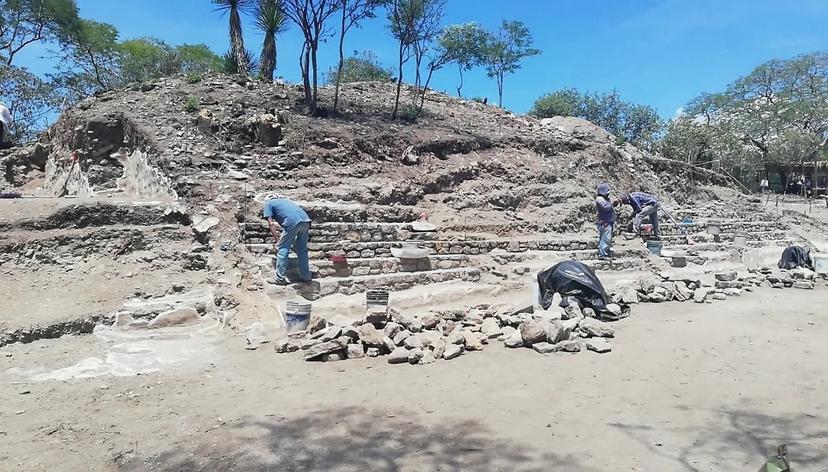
(599, 345)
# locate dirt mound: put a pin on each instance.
(461, 161)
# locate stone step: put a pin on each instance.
(320, 212)
(378, 265)
(394, 282)
(616, 264)
(258, 233)
(752, 236)
(440, 247)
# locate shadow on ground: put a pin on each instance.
(741, 438)
(349, 440)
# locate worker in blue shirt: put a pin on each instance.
(644, 205)
(285, 215)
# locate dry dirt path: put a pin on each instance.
(688, 387)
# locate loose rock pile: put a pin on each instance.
(449, 334)
(726, 284)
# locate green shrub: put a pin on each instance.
(191, 106)
(194, 78)
(408, 113)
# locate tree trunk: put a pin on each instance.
(304, 62)
(425, 89)
(399, 83)
(500, 89)
(341, 58)
(314, 48)
(237, 42)
(268, 60)
(460, 87)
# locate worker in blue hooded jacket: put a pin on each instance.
(643, 205)
(606, 220)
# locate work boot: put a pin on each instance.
(277, 280)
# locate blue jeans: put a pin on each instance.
(604, 239)
(295, 237)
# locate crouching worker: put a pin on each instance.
(643, 205)
(606, 220)
(295, 226)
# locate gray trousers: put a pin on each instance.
(651, 212)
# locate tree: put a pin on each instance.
(24, 22)
(88, 60)
(271, 20)
(198, 59)
(352, 13)
(311, 16)
(413, 23)
(29, 99)
(464, 44)
(364, 67)
(778, 113)
(233, 8)
(505, 50)
(144, 59)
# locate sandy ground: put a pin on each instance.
(687, 387)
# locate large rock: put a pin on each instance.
(286, 345)
(316, 323)
(177, 317)
(414, 355)
(413, 342)
(371, 336)
(803, 284)
(356, 351)
(593, 328)
(398, 356)
(569, 346)
(532, 332)
(331, 333)
(388, 344)
(456, 337)
(474, 341)
(543, 348)
(401, 336)
(573, 310)
(726, 276)
(392, 328)
(700, 294)
(627, 294)
(557, 332)
(429, 338)
(205, 121)
(439, 348)
(428, 358)
(514, 340)
(490, 328)
(599, 345)
(268, 130)
(317, 351)
(409, 322)
(453, 351)
(430, 321)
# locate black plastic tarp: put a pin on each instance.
(796, 256)
(575, 280)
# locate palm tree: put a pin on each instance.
(271, 19)
(233, 7)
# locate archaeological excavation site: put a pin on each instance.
(458, 315)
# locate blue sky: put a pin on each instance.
(657, 52)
